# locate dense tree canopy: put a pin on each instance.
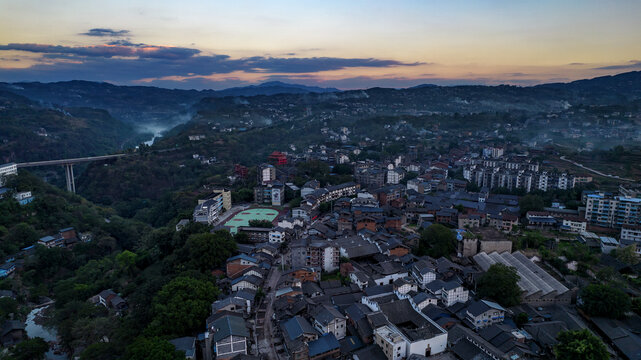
(31, 349)
(604, 300)
(500, 284)
(531, 202)
(436, 241)
(209, 251)
(144, 348)
(181, 307)
(580, 345)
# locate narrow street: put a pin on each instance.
(264, 329)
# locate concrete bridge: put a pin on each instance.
(68, 164)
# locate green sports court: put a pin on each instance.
(242, 218)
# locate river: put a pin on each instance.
(36, 330)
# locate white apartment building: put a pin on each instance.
(6, 170)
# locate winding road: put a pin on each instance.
(594, 171)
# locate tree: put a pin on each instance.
(126, 261)
(604, 300)
(531, 202)
(499, 283)
(144, 348)
(208, 251)
(580, 345)
(261, 224)
(31, 349)
(627, 255)
(521, 319)
(532, 240)
(181, 306)
(7, 306)
(636, 305)
(436, 241)
(22, 235)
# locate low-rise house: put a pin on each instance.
(404, 285)
(51, 241)
(255, 234)
(236, 264)
(327, 319)
(24, 197)
(484, 313)
(608, 244)
(326, 346)
(409, 331)
(450, 292)
(228, 336)
(109, 299)
(251, 282)
(504, 222)
(7, 269)
(297, 332)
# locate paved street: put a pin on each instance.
(264, 328)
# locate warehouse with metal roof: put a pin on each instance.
(539, 288)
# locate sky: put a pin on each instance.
(346, 44)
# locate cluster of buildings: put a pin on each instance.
(517, 173)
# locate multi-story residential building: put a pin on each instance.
(631, 236)
(266, 174)
(612, 211)
(317, 254)
(272, 193)
(6, 170)
(395, 176)
(493, 152)
(391, 342)
(423, 272)
(370, 177)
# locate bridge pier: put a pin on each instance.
(71, 184)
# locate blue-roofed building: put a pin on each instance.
(229, 336)
(51, 241)
(236, 264)
(297, 333)
(480, 314)
(608, 244)
(7, 269)
(324, 347)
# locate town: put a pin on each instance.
(480, 251)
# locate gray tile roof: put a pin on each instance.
(229, 325)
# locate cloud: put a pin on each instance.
(630, 65)
(101, 32)
(125, 62)
(138, 50)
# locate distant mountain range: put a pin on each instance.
(146, 107)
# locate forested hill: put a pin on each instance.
(29, 132)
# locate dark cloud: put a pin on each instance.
(107, 51)
(100, 32)
(630, 65)
(122, 61)
(576, 64)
